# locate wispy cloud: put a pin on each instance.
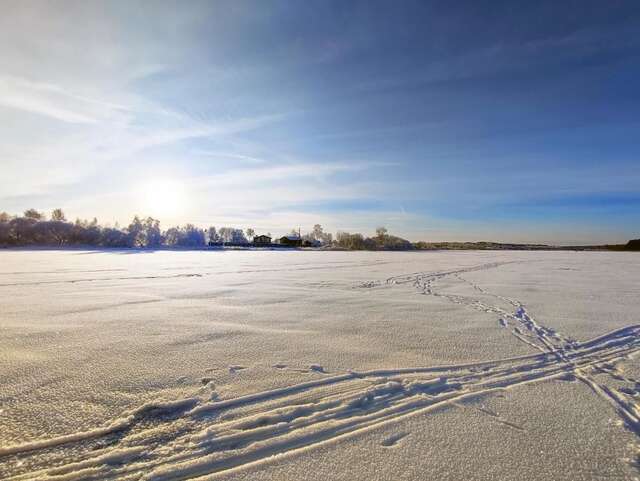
(50, 101)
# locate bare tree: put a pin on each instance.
(33, 214)
(5, 232)
(58, 215)
(250, 233)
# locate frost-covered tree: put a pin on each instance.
(396, 243)
(212, 235)
(381, 234)
(85, 232)
(192, 236)
(238, 237)
(172, 236)
(232, 235)
(114, 237)
(20, 230)
(317, 232)
(187, 236)
(152, 232)
(347, 240)
(225, 234)
(136, 232)
(53, 232)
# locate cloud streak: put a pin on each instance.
(47, 100)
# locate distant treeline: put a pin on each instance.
(33, 228)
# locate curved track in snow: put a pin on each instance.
(192, 437)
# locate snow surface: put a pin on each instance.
(274, 365)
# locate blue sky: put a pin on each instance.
(507, 121)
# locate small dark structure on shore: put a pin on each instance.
(291, 241)
(261, 240)
(633, 245)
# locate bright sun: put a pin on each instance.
(162, 198)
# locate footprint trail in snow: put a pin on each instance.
(192, 437)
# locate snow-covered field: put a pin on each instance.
(272, 365)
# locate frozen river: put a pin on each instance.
(274, 365)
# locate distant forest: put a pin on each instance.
(33, 228)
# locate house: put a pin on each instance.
(262, 240)
(291, 241)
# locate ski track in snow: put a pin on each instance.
(299, 267)
(192, 437)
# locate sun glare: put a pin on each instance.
(162, 198)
